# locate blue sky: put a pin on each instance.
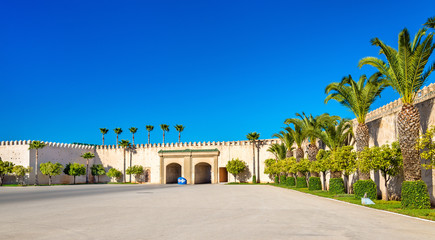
(221, 68)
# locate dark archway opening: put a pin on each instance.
(173, 172)
(202, 173)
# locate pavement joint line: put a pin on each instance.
(378, 210)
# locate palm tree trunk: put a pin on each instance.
(408, 121)
(299, 154)
(148, 137)
(289, 154)
(131, 156)
(36, 168)
(133, 139)
(163, 138)
(116, 140)
(49, 180)
(87, 167)
(362, 138)
(253, 158)
(179, 136)
(103, 139)
(312, 154)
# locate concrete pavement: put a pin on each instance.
(192, 212)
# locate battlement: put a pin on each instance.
(424, 94)
(192, 144)
(50, 144)
(153, 145)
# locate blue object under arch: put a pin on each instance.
(182, 181)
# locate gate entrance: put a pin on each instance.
(173, 172)
(202, 173)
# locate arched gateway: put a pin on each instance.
(195, 165)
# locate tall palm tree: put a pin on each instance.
(149, 129)
(430, 22)
(104, 131)
(36, 145)
(133, 130)
(165, 128)
(87, 156)
(117, 131)
(336, 133)
(298, 135)
(288, 141)
(357, 97)
(179, 129)
(124, 144)
(278, 150)
(312, 128)
(405, 72)
(253, 137)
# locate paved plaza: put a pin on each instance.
(192, 212)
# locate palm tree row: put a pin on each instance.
(149, 128)
(404, 70)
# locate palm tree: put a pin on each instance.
(124, 144)
(36, 145)
(133, 130)
(278, 150)
(253, 137)
(179, 129)
(104, 131)
(357, 97)
(336, 133)
(298, 135)
(149, 129)
(405, 72)
(87, 156)
(312, 128)
(288, 141)
(165, 128)
(430, 22)
(117, 131)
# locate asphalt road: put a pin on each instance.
(192, 212)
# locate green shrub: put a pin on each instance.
(301, 182)
(314, 183)
(254, 179)
(276, 179)
(336, 185)
(365, 186)
(290, 181)
(282, 179)
(415, 195)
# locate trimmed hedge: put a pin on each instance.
(415, 195)
(276, 179)
(254, 179)
(282, 179)
(336, 185)
(361, 187)
(314, 183)
(301, 182)
(290, 181)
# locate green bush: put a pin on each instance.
(290, 181)
(254, 179)
(276, 179)
(365, 186)
(314, 183)
(301, 182)
(415, 195)
(282, 179)
(336, 185)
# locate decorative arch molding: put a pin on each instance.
(188, 158)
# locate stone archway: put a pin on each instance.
(202, 173)
(173, 172)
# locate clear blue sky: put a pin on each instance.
(221, 68)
